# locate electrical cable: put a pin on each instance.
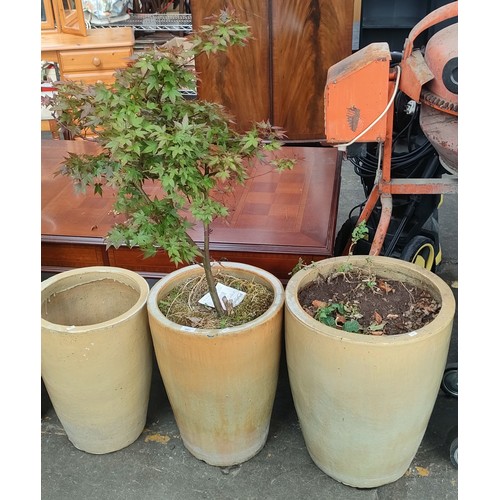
(402, 163)
(343, 147)
(359, 205)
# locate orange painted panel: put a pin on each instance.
(356, 93)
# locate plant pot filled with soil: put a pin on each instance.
(173, 161)
(97, 355)
(220, 374)
(367, 340)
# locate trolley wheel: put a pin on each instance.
(454, 453)
(449, 382)
(420, 251)
(451, 445)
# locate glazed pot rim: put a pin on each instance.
(67, 280)
(278, 299)
(448, 304)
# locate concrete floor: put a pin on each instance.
(157, 466)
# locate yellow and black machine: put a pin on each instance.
(396, 117)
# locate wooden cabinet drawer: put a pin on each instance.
(70, 255)
(91, 76)
(93, 60)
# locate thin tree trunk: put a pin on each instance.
(208, 271)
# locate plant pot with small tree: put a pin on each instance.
(216, 327)
(367, 340)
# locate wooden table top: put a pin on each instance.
(65, 213)
(269, 210)
(96, 38)
(293, 212)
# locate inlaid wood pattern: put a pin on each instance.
(275, 218)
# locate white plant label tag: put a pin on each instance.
(231, 294)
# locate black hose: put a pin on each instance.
(366, 166)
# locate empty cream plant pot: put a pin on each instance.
(221, 384)
(364, 402)
(97, 355)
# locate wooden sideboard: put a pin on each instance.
(275, 218)
(90, 58)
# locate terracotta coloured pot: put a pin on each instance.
(221, 384)
(97, 355)
(363, 401)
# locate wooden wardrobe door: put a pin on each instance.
(308, 36)
(240, 78)
(281, 74)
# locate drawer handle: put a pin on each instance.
(96, 61)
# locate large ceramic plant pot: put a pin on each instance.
(221, 384)
(97, 355)
(364, 401)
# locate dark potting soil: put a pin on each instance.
(364, 303)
